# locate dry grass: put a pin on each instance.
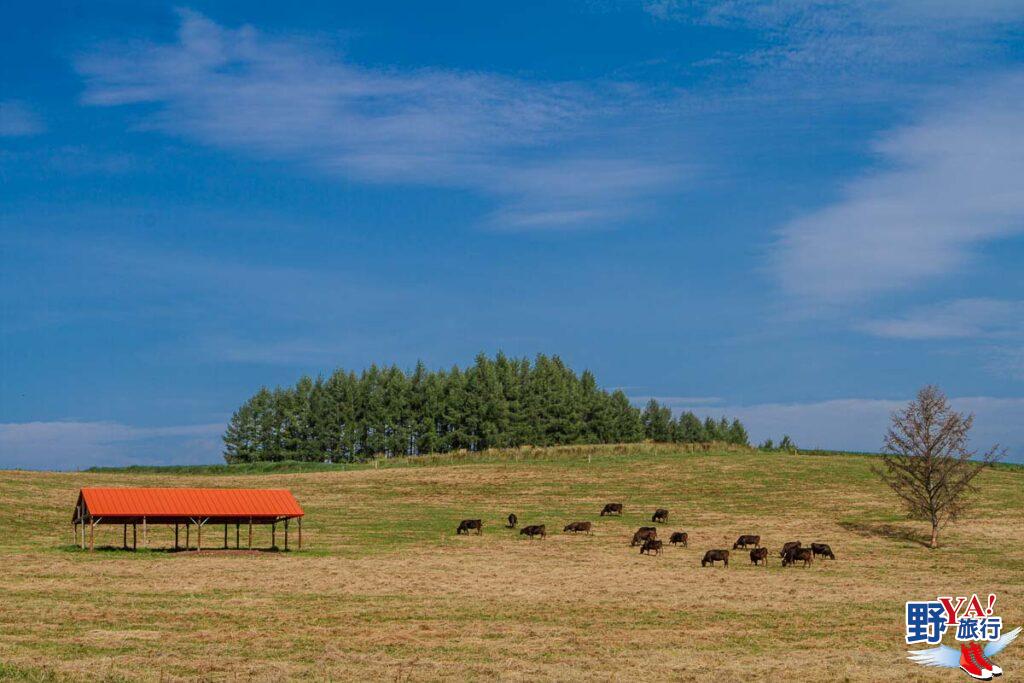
(388, 591)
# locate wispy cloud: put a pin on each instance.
(943, 187)
(286, 98)
(961, 318)
(70, 444)
(19, 119)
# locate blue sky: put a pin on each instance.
(797, 213)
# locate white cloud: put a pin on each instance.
(284, 98)
(943, 187)
(859, 424)
(70, 444)
(960, 318)
(18, 119)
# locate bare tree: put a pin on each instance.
(927, 462)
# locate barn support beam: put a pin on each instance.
(188, 534)
(135, 536)
(124, 537)
(238, 536)
(273, 535)
(145, 533)
(225, 537)
(176, 536)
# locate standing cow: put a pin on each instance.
(467, 525)
(680, 537)
(745, 540)
(512, 520)
(712, 556)
(660, 516)
(533, 531)
(759, 555)
(612, 509)
(823, 549)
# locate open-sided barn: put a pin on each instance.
(188, 507)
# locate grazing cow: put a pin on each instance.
(795, 555)
(823, 549)
(660, 516)
(533, 530)
(512, 521)
(642, 534)
(712, 556)
(467, 525)
(680, 537)
(651, 546)
(577, 527)
(759, 555)
(745, 540)
(786, 547)
(612, 509)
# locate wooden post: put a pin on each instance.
(225, 537)
(188, 533)
(250, 533)
(175, 536)
(145, 533)
(238, 536)
(286, 535)
(300, 533)
(124, 543)
(92, 529)
(273, 535)
(135, 536)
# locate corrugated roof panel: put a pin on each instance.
(166, 502)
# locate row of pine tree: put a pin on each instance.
(496, 403)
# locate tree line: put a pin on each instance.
(498, 402)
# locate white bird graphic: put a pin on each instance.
(949, 658)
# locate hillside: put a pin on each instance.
(386, 590)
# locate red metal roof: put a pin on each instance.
(168, 502)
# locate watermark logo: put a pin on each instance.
(975, 626)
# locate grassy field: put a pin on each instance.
(387, 591)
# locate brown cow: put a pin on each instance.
(577, 527)
(786, 547)
(512, 521)
(823, 549)
(467, 525)
(680, 537)
(795, 555)
(759, 555)
(745, 540)
(642, 534)
(660, 516)
(533, 530)
(712, 556)
(651, 546)
(612, 509)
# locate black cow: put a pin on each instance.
(795, 555)
(533, 530)
(612, 509)
(467, 525)
(823, 549)
(651, 546)
(512, 521)
(577, 527)
(660, 516)
(745, 540)
(786, 547)
(712, 556)
(680, 537)
(759, 555)
(642, 534)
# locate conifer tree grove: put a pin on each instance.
(496, 403)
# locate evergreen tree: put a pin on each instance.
(738, 434)
(657, 420)
(689, 429)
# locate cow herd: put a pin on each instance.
(646, 537)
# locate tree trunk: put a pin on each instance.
(935, 536)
